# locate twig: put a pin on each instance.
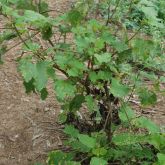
(50, 42)
(108, 120)
(108, 13)
(129, 39)
(21, 42)
(118, 2)
(19, 35)
(51, 10)
(129, 121)
(134, 35)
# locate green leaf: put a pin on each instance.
(99, 151)
(76, 103)
(103, 58)
(125, 56)
(91, 103)
(161, 159)
(8, 35)
(118, 90)
(44, 93)
(38, 71)
(27, 68)
(147, 97)
(36, 19)
(162, 79)
(151, 76)
(130, 152)
(142, 48)
(99, 44)
(119, 45)
(47, 31)
(95, 25)
(3, 49)
(38, 164)
(43, 8)
(64, 89)
(64, 29)
(151, 13)
(31, 46)
(74, 17)
(70, 130)
(41, 76)
(32, 16)
(72, 163)
(126, 113)
(78, 146)
(100, 75)
(8, 10)
(68, 62)
(23, 4)
(157, 140)
(29, 86)
(98, 161)
(51, 72)
(62, 118)
(87, 140)
(62, 59)
(128, 138)
(59, 157)
(143, 122)
(75, 67)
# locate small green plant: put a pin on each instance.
(114, 47)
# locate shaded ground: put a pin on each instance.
(28, 128)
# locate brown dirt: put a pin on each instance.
(28, 126)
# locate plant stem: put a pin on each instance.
(118, 2)
(108, 121)
(108, 14)
(19, 35)
(21, 42)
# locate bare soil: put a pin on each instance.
(28, 126)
